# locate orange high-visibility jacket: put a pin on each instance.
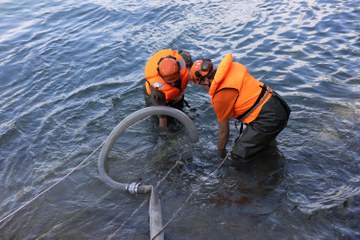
(234, 75)
(172, 94)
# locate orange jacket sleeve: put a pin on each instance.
(223, 103)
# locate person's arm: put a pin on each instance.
(223, 135)
(158, 99)
(223, 107)
(162, 122)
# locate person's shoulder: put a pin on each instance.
(227, 92)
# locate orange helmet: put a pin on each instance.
(169, 69)
(200, 69)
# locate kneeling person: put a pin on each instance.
(167, 76)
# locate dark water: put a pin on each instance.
(70, 71)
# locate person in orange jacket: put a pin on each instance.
(166, 77)
(235, 93)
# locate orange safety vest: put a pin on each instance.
(172, 94)
(234, 75)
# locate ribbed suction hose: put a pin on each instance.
(126, 123)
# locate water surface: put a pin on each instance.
(70, 71)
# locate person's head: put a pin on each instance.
(187, 58)
(202, 72)
(169, 70)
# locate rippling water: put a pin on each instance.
(70, 71)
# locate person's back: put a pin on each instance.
(166, 78)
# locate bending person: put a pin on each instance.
(235, 93)
(166, 77)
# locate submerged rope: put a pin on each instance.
(177, 211)
(135, 211)
(123, 224)
(141, 204)
(188, 198)
(53, 185)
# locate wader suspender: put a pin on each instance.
(265, 91)
(241, 128)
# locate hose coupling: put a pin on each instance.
(133, 187)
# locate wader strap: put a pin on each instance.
(241, 128)
(265, 91)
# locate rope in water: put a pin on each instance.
(188, 198)
(53, 185)
(134, 212)
(142, 204)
